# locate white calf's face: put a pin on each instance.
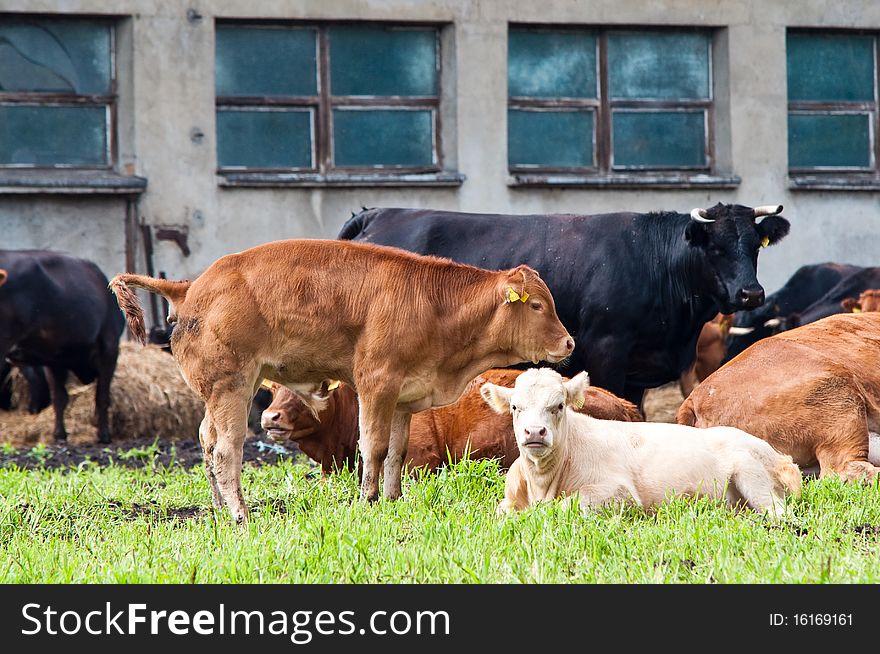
(538, 402)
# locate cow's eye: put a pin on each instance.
(537, 306)
(560, 407)
(513, 407)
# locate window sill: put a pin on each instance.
(833, 183)
(618, 181)
(69, 182)
(318, 180)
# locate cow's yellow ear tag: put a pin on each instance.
(856, 310)
(512, 296)
(266, 384)
(333, 385)
(765, 241)
(579, 402)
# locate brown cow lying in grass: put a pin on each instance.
(812, 392)
(409, 332)
(564, 454)
(868, 301)
(329, 434)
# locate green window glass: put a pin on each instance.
(550, 138)
(383, 137)
(655, 115)
(263, 61)
(667, 65)
(659, 139)
(828, 67)
(816, 141)
(383, 61)
(377, 110)
(63, 69)
(52, 136)
(551, 64)
(832, 100)
(264, 139)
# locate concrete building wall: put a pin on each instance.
(166, 71)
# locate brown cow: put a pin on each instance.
(2, 277)
(329, 435)
(868, 301)
(407, 331)
(812, 392)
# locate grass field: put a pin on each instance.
(152, 525)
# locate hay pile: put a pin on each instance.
(149, 399)
(661, 404)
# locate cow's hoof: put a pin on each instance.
(61, 438)
(105, 440)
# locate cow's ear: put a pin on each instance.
(773, 228)
(849, 304)
(497, 397)
(575, 389)
(696, 234)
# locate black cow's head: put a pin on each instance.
(728, 238)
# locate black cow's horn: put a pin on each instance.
(700, 216)
(767, 210)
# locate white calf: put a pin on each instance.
(564, 453)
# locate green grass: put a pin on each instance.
(118, 525)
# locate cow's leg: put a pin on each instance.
(58, 379)
(228, 415)
(208, 439)
(106, 368)
(374, 418)
(397, 447)
(755, 482)
(845, 452)
(38, 388)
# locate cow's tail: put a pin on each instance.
(686, 414)
(788, 474)
(174, 292)
(354, 225)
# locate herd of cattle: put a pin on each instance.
(403, 355)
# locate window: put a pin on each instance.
(609, 101)
(343, 98)
(57, 93)
(832, 102)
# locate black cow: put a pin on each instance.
(633, 289)
(804, 287)
(56, 311)
(830, 303)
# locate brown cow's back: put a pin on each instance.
(812, 392)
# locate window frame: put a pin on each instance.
(840, 107)
(324, 102)
(603, 107)
(59, 99)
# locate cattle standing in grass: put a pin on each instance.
(812, 392)
(564, 453)
(408, 332)
(634, 289)
(803, 288)
(56, 311)
(327, 431)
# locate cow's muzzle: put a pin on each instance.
(749, 298)
(567, 347)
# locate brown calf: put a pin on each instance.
(868, 301)
(711, 351)
(329, 435)
(407, 331)
(812, 392)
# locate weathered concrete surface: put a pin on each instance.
(167, 94)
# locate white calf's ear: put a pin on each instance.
(575, 388)
(497, 397)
